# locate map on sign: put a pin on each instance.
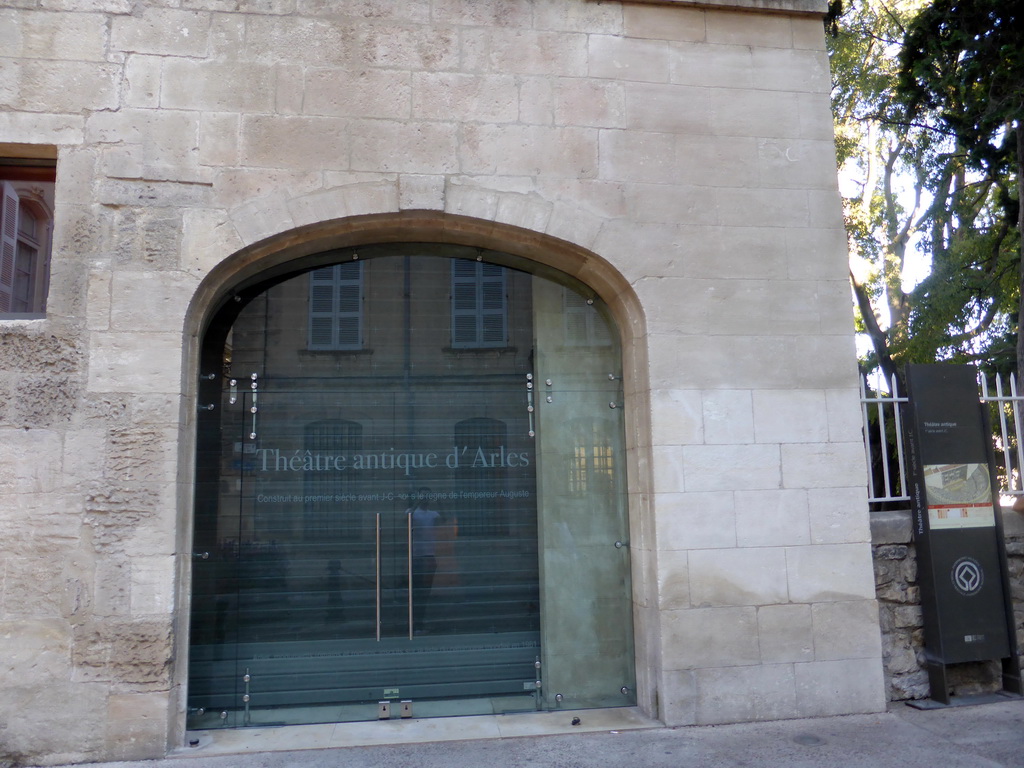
(959, 496)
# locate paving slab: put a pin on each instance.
(984, 736)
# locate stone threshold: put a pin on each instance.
(234, 741)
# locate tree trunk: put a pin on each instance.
(1020, 232)
(878, 337)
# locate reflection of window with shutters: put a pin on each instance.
(325, 508)
(26, 225)
(584, 326)
(336, 307)
(485, 513)
(479, 306)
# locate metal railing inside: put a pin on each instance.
(882, 407)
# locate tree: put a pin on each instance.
(962, 73)
(877, 226)
(913, 186)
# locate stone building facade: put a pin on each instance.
(669, 166)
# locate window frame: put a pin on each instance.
(337, 283)
(472, 326)
(27, 187)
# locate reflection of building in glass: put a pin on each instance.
(336, 307)
(324, 489)
(583, 326)
(486, 439)
(593, 461)
(479, 311)
(328, 449)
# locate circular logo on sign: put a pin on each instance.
(967, 576)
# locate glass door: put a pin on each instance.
(366, 580)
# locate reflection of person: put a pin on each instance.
(424, 551)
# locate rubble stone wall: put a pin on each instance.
(901, 620)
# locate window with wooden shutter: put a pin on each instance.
(26, 225)
(479, 305)
(336, 307)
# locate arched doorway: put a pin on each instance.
(410, 494)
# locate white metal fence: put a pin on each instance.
(882, 410)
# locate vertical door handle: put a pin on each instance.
(376, 566)
(408, 560)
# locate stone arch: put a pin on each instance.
(283, 251)
(271, 236)
(269, 215)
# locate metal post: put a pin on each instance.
(408, 561)
(377, 568)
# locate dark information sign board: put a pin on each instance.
(957, 528)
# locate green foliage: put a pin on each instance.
(962, 64)
(962, 74)
(923, 96)
(973, 286)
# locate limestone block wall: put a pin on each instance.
(685, 152)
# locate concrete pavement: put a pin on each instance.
(974, 736)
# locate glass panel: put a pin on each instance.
(325, 625)
(587, 636)
(213, 682)
(371, 516)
